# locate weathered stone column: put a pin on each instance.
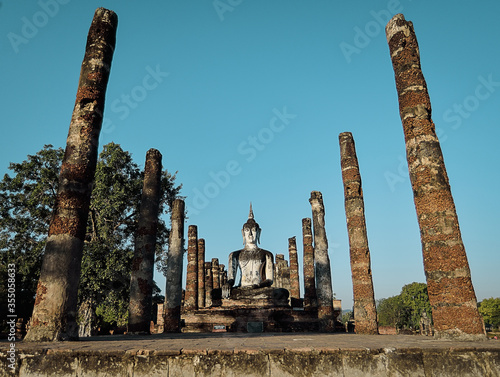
(191, 296)
(449, 284)
(175, 256)
(201, 273)
(141, 277)
(209, 284)
(324, 290)
(365, 312)
(55, 309)
(215, 273)
(294, 269)
(310, 302)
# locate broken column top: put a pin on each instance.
(397, 24)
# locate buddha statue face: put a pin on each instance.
(251, 233)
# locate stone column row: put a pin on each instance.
(202, 277)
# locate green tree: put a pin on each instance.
(416, 300)
(347, 316)
(26, 202)
(490, 310)
(404, 310)
(391, 312)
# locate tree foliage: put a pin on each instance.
(405, 310)
(490, 310)
(26, 201)
(347, 316)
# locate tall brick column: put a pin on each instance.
(209, 284)
(141, 277)
(55, 309)
(201, 273)
(294, 270)
(365, 312)
(324, 290)
(449, 284)
(175, 256)
(191, 296)
(310, 302)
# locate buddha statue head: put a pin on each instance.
(251, 231)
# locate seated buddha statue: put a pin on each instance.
(255, 264)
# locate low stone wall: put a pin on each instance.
(387, 330)
(284, 355)
(382, 362)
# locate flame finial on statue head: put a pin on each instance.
(251, 223)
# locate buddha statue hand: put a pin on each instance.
(265, 283)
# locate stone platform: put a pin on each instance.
(233, 354)
(236, 319)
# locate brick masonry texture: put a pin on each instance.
(324, 290)
(191, 298)
(173, 285)
(365, 312)
(294, 269)
(454, 310)
(201, 273)
(310, 301)
(54, 313)
(141, 279)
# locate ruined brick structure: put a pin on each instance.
(55, 309)
(365, 312)
(281, 273)
(141, 277)
(201, 273)
(310, 302)
(451, 294)
(173, 286)
(191, 296)
(324, 290)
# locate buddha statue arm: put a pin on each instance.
(231, 275)
(269, 271)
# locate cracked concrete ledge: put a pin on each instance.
(255, 355)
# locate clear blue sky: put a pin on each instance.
(245, 99)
